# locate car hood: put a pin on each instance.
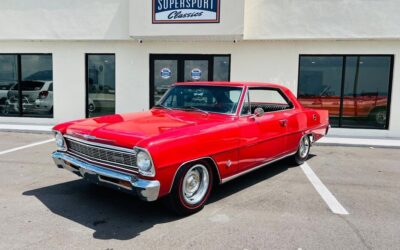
(127, 130)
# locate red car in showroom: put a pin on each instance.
(199, 134)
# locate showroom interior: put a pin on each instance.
(100, 59)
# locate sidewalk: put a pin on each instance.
(361, 142)
(26, 128)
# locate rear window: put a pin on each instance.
(5, 86)
(29, 86)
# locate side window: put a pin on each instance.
(269, 100)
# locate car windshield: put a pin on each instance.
(216, 99)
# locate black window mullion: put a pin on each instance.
(342, 90)
(211, 68)
(19, 81)
(181, 69)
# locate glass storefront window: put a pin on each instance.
(320, 84)
(36, 80)
(100, 85)
(28, 91)
(8, 79)
(354, 89)
(221, 68)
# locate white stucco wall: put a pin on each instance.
(264, 61)
(64, 19)
(253, 19)
(322, 19)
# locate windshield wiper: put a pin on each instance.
(194, 109)
(161, 106)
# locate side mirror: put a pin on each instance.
(259, 112)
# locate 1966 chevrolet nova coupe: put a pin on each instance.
(199, 134)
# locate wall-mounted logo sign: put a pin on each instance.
(196, 74)
(166, 73)
(186, 11)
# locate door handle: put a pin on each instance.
(283, 122)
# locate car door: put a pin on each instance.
(262, 136)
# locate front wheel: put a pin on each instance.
(302, 152)
(191, 189)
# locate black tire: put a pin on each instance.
(301, 156)
(176, 200)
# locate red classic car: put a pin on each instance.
(199, 134)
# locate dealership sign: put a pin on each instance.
(186, 11)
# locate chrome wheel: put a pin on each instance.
(195, 184)
(304, 146)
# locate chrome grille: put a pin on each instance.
(103, 154)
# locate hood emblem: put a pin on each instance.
(90, 137)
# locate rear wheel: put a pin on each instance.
(303, 150)
(191, 189)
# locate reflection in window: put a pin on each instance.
(221, 68)
(32, 95)
(8, 79)
(354, 89)
(100, 85)
(165, 74)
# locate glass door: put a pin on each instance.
(196, 70)
(167, 69)
(165, 73)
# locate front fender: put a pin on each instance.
(218, 143)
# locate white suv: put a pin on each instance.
(37, 96)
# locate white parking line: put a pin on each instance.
(26, 146)
(323, 191)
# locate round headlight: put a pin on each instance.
(60, 142)
(143, 161)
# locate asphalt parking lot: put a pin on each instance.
(276, 207)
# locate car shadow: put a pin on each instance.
(251, 179)
(116, 215)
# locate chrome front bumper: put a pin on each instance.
(146, 190)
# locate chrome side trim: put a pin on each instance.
(176, 172)
(101, 145)
(225, 180)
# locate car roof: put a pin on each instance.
(233, 84)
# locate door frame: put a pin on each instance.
(181, 67)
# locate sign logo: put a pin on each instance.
(166, 73)
(186, 11)
(196, 74)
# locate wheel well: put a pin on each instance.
(377, 109)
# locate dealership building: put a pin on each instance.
(63, 60)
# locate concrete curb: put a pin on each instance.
(359, 142)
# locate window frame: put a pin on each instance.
(87, 78)
(344, 56)
(247, 93)
(19, 80)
